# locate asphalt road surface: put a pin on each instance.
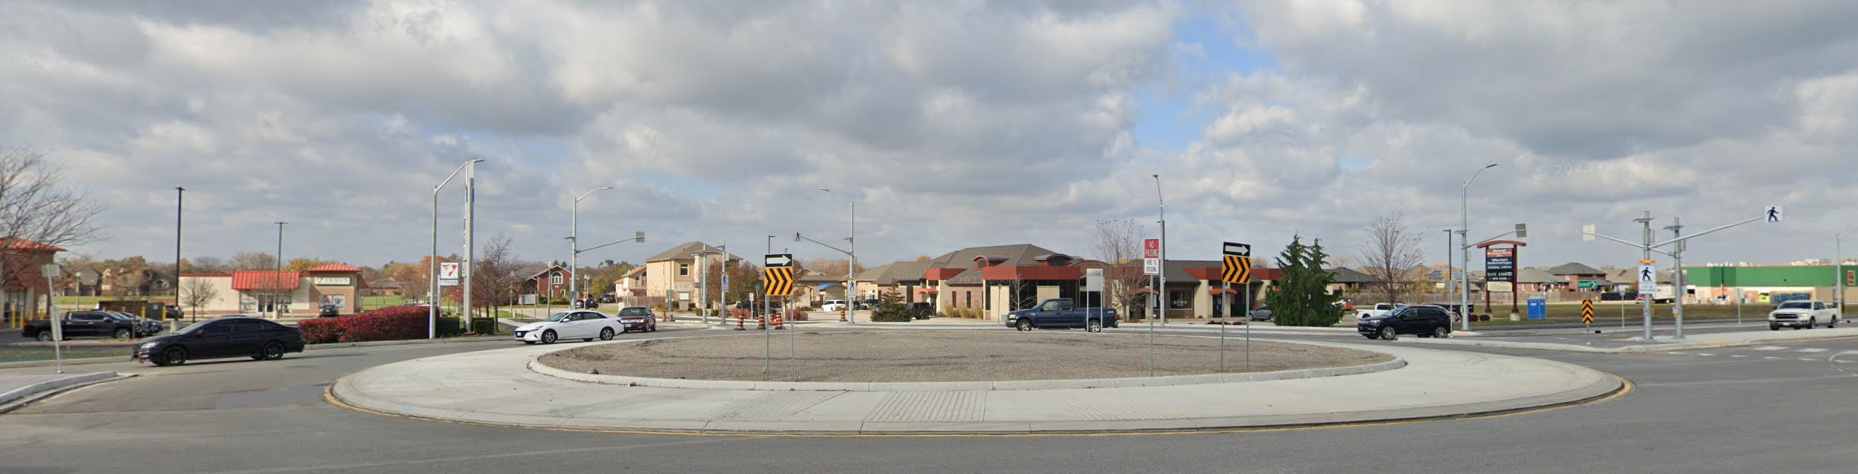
(1782, 408)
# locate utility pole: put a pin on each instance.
(466, 271)
(1161, 212)
(175, 324)
(1451, 281)
(1647, 258)
(277, 312)
(1677, 275)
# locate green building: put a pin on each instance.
(1758, 283)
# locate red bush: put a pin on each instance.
(388, 324)
(320, 331)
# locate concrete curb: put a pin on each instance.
(49, 363)
(536, 366)
(54, 384)
(1640, 349)
(445, 340)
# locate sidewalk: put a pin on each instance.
(498, 387)
(1634, 345)
(20, 387)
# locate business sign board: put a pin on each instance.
(448, 273)
(1500, 264)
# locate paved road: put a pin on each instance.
(1780, 408)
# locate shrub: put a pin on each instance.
(390, 324)
(951, 312)
(890, 309)
(320, 331)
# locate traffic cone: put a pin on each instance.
(777, 321)
(761, 323)
(841, 315)
(738, 323)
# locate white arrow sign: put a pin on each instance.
(778, 260)
(1241, 250)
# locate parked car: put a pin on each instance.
(230, 336)
(144, 327)
(609, 298)
(637, 318)
(142, 309)
(1061, 313)
(583, 325)
(1379, 309)
(83, 324)
(921, 310)
(867, 303)
(1425, 320)
(1802, 314)
(330, 311)
(833, 305)
(1263, 313)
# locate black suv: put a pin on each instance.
(330, 311)
(1417, 320)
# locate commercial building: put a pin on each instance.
(265, 291)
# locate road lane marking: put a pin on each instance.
(1770, 348)
(1770, 357)
(1812, 349)
(1808, 359)
(1737, 355)
(1705, 354)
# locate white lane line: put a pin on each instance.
(1737, 355)
(1770, 357)
(1770, 348)
(1675, 353)
(1812, 349)
(1705, 354)
(1809, 359)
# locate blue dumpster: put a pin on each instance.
(1538, 309)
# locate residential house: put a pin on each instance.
(542, 282)
(1572, 273)
(630, 288)
(675, 273)
(86, 281)
(1536, 280)
(25, 286)
(1348, 281)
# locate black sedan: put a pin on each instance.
(638, 319)
(231, 336)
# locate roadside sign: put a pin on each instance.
(448, 273)
(1237, 267)
(1500, 264)
(1586, 311)
(1151, 266)
(780, 281)
(778, 260)
(1648, 279)
(1093, 279)
(1774, 214)
(1151, 248)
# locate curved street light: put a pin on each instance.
(574, 242)
(1464, 229)
(432, 299)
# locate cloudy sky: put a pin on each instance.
(949, 123)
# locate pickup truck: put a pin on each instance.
(83, 324)
(1802, 314)
(1061, 313)
(1379, 309)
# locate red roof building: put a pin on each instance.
(266, 280)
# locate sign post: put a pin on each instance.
(448, 274)
(778, 277)
(1236, 267)
(50, 271)
(1151, 265)
(1093, 283)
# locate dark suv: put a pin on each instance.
(1417, 320)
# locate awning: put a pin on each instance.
(1218, 290)
(825, 286)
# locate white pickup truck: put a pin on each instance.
(1377, 310)
(1802, 314)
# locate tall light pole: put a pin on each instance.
(1464, 208)
(574, 242)
(279, 276)
(1838, 274)
(176, 323)
(851, 281)
(1451, 280)
(1162, 275)
(432, 298)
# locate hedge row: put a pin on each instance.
(387, 324)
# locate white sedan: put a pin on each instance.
(583, 325)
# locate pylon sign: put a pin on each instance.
(1586, 311)
(1238, 264)
(779, 275)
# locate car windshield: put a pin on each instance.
(558, 317)
(1796, 305)
(195, 327)
(633, 312)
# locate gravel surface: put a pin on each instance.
(945, 356)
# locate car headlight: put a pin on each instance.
(150, 345)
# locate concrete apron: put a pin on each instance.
(498, 387)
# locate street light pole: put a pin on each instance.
(1838, 274)
(432, 298)
(574, 242)
(851, 232)
(279, 276)
(1161, 276)
(466, 272)
(175, 324)
(1451, 281)
(1464, 209)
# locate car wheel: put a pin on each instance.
(1441, 332)
(1389, 334)
(1371, 336)
(1023, 325)
(1095, 325)
(1810, 322)
(606, 334)
(124, 334)
(653, 328)
(548, 337)
(174, 356)
(272, 351)
(45, 336)
(1774, 327)
(1833, 323)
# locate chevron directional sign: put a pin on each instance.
(1238, 264)
(780, 281)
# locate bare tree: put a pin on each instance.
(1119, 244)
(495, 269)
(198, 292)
(208, 264)
(1391, 257)
(254, 261)
(36, 207)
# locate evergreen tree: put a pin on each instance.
(1302, 297)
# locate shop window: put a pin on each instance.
(1178, 300)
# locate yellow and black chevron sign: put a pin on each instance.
(1237, 270)
(1586, 311)
(780, 281)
